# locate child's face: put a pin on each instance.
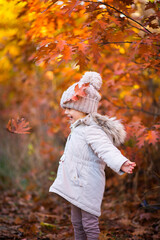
(74, 115)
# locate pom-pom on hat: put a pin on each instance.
(83, 96)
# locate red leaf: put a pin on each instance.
(149, 5)
(141, 141)
(96, 51)
(61, 44)
(72, 6)
(78, 92)
(81, 60)
(152, 137)
(67, 52)
(82, 47)
(19, 126)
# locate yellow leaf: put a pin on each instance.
(99, 16)
(12, 50)
(122, 94)
(121, 50)
(5, 64)
(78, 31)
(136, 86)
(31, 16)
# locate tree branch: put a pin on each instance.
(134, 109)
(140, 29)
(136, 27)
(107, 5)
(54, 1)
(104, 43)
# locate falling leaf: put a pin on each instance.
(19, 126)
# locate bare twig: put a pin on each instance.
(54, 1)
(105, 42)
(136, 27)
(140, 29)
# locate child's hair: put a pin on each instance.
(87, 103)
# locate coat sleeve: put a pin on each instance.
(103, 147)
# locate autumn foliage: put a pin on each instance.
(19, 126)
(58, 40)
(78, 92)
(45, 46)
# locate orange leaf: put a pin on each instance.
(18, 220)
(82, 47)
(67, 52)
(152, 137)
(78, 92)
(72, 6)
(61, 44)
(19, 126)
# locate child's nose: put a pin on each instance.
(66, 111)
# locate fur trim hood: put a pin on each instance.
(111, 126)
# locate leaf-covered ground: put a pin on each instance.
(37, 215)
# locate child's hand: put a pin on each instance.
(128, 166)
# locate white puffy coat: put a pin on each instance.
(90, 146)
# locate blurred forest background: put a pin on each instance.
(45, 46)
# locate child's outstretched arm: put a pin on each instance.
(128, 166)
(103, 147)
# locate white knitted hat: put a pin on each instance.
(88, 103)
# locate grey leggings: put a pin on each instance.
(86, 225)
